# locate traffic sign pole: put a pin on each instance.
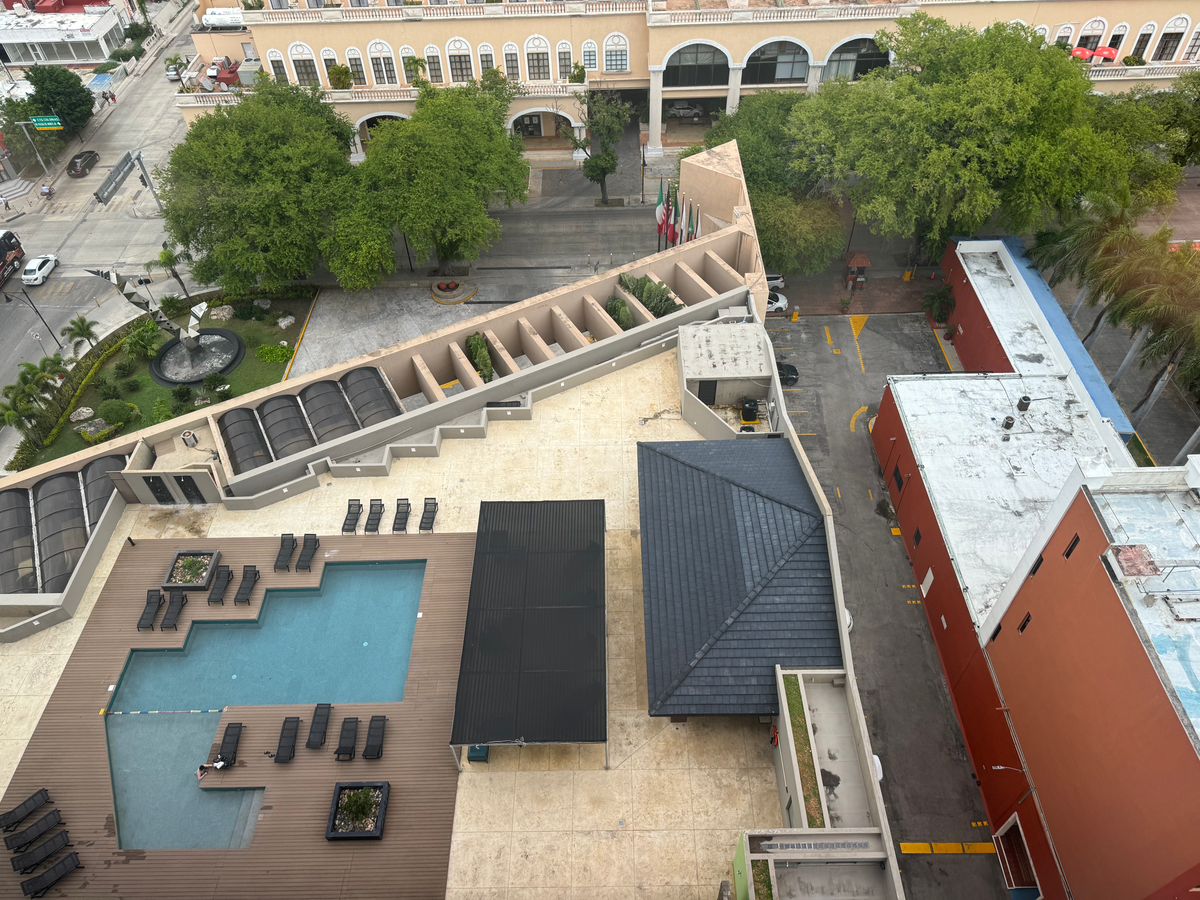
(45, 171)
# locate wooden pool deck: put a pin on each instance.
(288, 856)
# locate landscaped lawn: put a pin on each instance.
(250, 375)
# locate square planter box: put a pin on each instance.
(375, 833)
(202, 585)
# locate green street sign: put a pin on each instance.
(46, 123)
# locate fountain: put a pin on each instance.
(196, 353)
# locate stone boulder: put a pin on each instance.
(221, 313)
(262, 303)
(91, 428)
(286, 322)
(82, 414)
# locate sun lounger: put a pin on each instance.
(374, 517)
(287, 739)
(174, 608)
(400, 523)
(374, 748)
(39, 885)
(311, 543)
(229, 743)
(29, 861)
(320, 723)
(287, 546)
(353, 511)
(23, 839)
(220, 585)
(348, 738)
(11, 819)
(154, 599)
(249, 577)
(430, 513)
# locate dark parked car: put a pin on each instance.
(81, 163)
(788, 374)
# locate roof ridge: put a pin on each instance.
(733, 616)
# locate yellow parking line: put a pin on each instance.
(828, 336)
(914, 848)
(937, 337)
(854, 418)
(856, 327)
(979, 847)
(896, 532)
(947, 848)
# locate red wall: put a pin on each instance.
(1116, 774)
(977, 346)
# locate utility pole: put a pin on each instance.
(30, 303)
(45, 171)
(146, 179)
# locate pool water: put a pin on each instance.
(348, 641)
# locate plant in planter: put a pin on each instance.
(477, 350)
(1133, 61)
(619, 310)
(192, 569)
(340, 78)
(939, 303)
(358, 811)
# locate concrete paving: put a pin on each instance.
(928, 784)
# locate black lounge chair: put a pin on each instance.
(307, 552)
(174, 608)
(287, 739)
(320, 722)
(348, 738)
(154, 599)
(229, 743)
(39, 885)
(11, 819)
(28, 862)
(249, 577)
(430, 513)
(400, 523)
(23, 839)
(374, 517)
(287, 546)
(374, 748)
(220, 585)
(353, 511)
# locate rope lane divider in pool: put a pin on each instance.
(153, 712)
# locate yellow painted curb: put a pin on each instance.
(296, 350)
(947, 848)
(914, 848)
(981, 847)
(453, 302)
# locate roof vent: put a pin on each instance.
(1009, 421)
(1023, 403)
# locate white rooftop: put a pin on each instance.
(49, 22)
(990, 487)
(727, 350)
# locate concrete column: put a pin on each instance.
(580, 134)
(735, 89)
(654, 146)
(816, 71)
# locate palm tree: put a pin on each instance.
(36, 384)
(176, 61)
(78, 330)
(22, 417)
(169, 259)
(143, 343)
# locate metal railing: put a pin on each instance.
(1098, 73)
(380, 12)
(779, 14)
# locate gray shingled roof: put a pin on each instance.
(735, 575)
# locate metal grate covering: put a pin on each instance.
(369, 395)
(533, 661)
(17, 574)
(62, 532)
(97, 486)
(328, 411)
(244, 441)
(283, 421)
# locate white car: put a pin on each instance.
(681, 109)
(38, 269)
(775, 281)
(776, 302)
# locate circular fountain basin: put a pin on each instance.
(218, 350)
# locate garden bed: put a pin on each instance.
(358, 810)
(191, 570)
(809, 784)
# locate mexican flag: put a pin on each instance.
(691, 232)
(660, 211)
(669, 225)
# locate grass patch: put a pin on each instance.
(1139, 452)
(250, 375)
(761, 870)
(804, 756)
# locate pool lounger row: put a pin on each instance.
(30, 860)
(11, 819)
(354, 510)
(40, 885)
(349, 737)
(22, 840)
(287, 739)
(154, 599)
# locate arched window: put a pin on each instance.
(564, 60)
(854, 59)
(278, 69)
(487, 59)
(458, 52)
(1172, 37)
(304, 64)
(1064, 35)
(407, 55)
(1043, 30)
(358, 74)
(433, 65)
(328, 59)
(589, 56)
(1193, 47)
(1118, 35)
(696, 65)
(537, 58)
(512, 62)
(616, 53)
(1090, 34)
(779, 62)
(383, 64)
(1143, 40)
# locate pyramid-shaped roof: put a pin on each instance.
(735, 575)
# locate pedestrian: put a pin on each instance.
(4, 200)
(112, 97)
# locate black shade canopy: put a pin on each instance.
(17, 575)
(370, 396)
(533, 662)
(328, 411)
(61, 529)
(244, 440)
(284, 424)
(97, 486)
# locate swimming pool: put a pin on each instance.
(348, 641)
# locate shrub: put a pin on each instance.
(138, 51)
(340, 78)
(99, 383)
(245, 310)
(105, 67)
(358, 805)
(182, 393)
(161, 411)
(24, 457)
(274, 353)
(142, 342)
(252, 341)
(103, 436)
(214, 380)
(655, 296)
(477, 349)
(578, 75)
(109, 391)
(121, 54)
(173, 306)
(118, 412)
(939, 303)
(1133, 61)
(125, 368)
(131, 385)
(619, 310)
(138, 31)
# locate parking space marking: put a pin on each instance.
(869, 494)
(793, 389)
(828, 336)
(914, 848)
(839, 492)
(896, 532)
(854, 418)
(947, 847)
(982, 824)
(937, 337)
(856, 327)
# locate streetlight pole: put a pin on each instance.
(45, 171)
(8, 299)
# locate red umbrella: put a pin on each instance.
(1105, 53)
(1082, 53)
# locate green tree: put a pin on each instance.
(432, 177)
(796, 235)
(248, 191)
(24, 417)
(760, 127)
(49, 143)
(169, 259)
(1140, 126)
(1179, 109)
(142, 344)
(60, 92)
(78, 330)
(606, 116)
(963, 126)
(176, 61)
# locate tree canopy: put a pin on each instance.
(60, 92)
(962, 126)
(248, 192)
(49, 143)
(607, 115)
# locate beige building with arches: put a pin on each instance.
(671, 54)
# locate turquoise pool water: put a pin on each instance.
(347, 642)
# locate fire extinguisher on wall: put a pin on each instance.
(774, 736)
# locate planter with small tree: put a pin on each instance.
(357, 811)
(191, 570)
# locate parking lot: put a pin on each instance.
(928, 784)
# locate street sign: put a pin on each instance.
(114, 179)
(46, 123)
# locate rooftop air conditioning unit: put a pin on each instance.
(189, 439)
